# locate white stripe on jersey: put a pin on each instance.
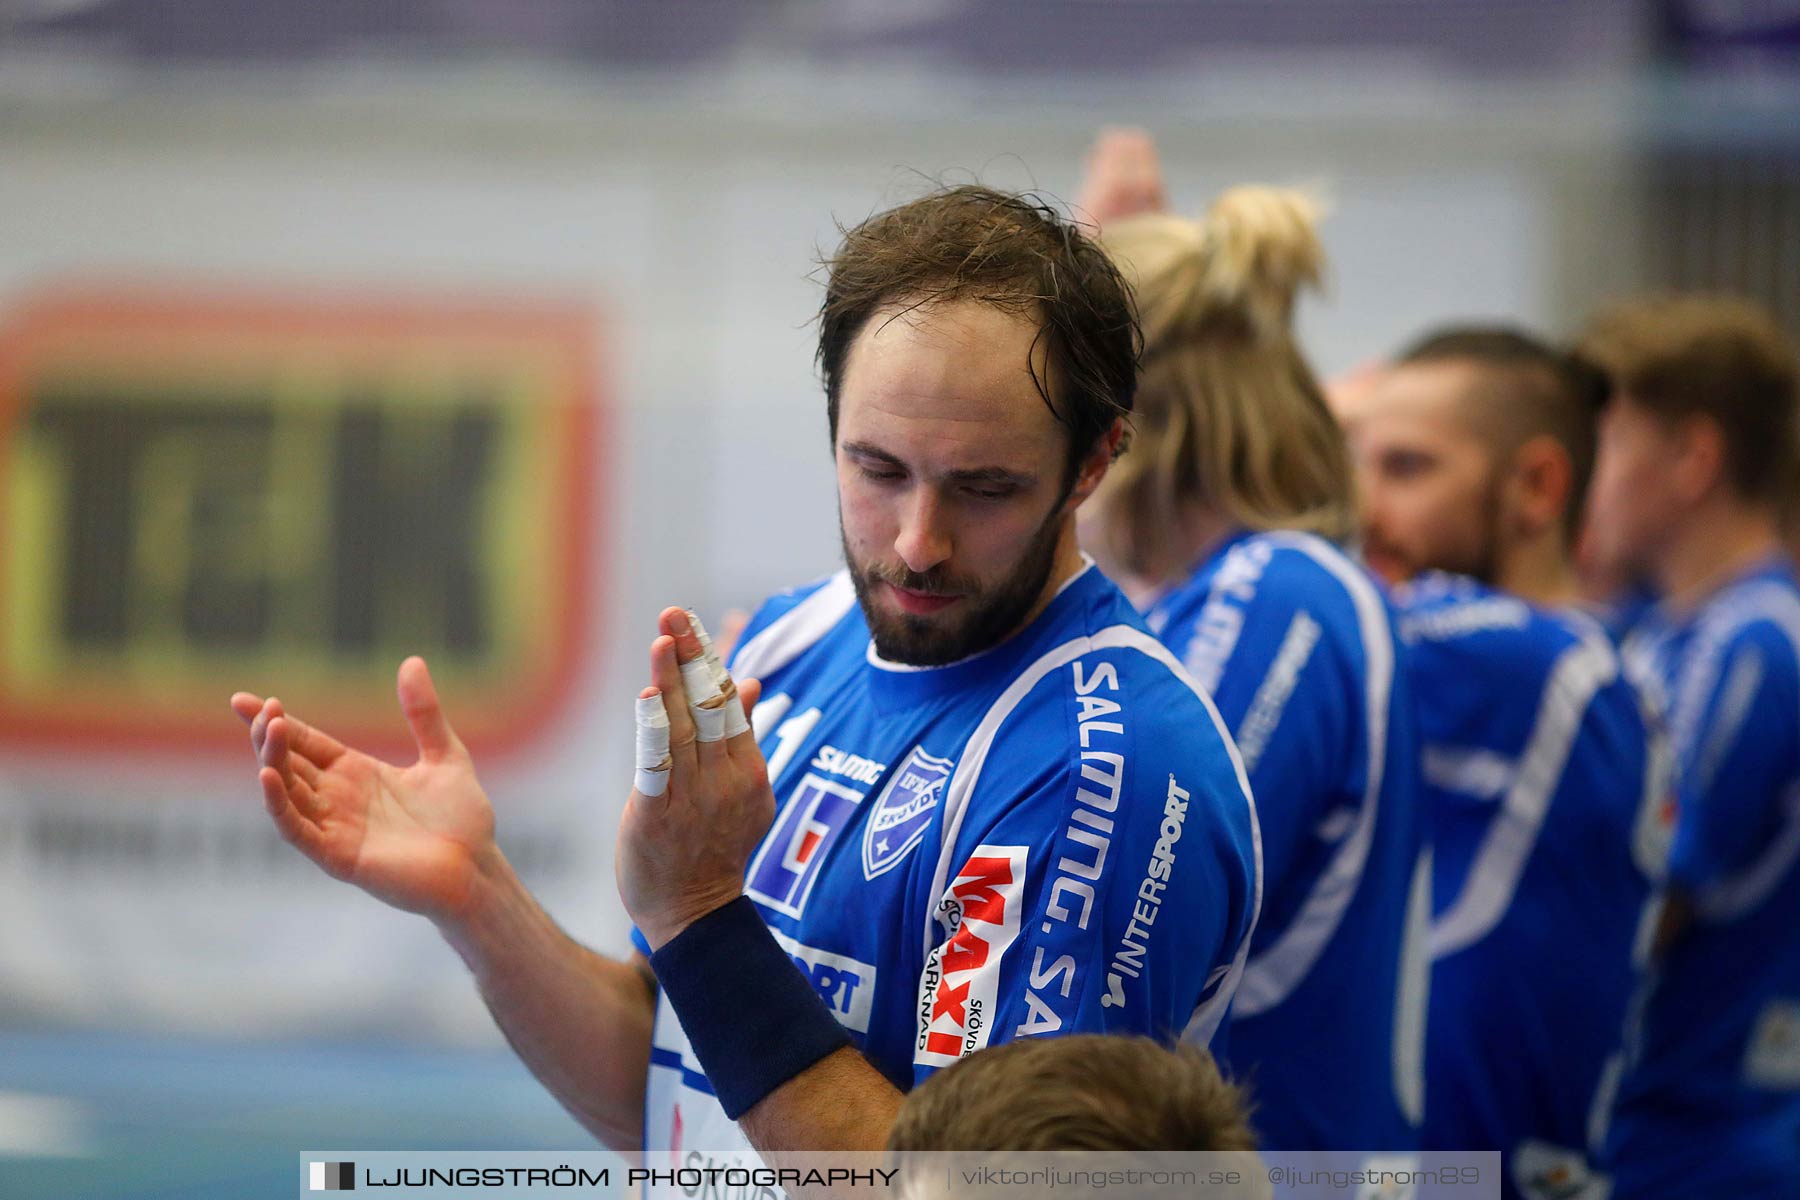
(1413, 995)
(1277, 688)
(1735, 699)
(1278, 969)
(1467, 770)
(1738, 607)
(1639, 656)
(1606, 1095)
(1742, 893)
(1577, 676)
(955, 804)
(789, 635)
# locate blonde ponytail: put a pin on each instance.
(1262, 247)
(1230, 422)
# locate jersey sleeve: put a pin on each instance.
(1733, 728)
(750, 649)
(1288, 688)
(1617, 787)
(1292, 703)
(1110, 892)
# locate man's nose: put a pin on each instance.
(924, 540)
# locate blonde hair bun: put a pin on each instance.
(1262, 248)
(1242, 264)
(1229, 422)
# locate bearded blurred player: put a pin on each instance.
(1545, 782)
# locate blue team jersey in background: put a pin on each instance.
(1053, 836)
(1296, 644)
(1547, 794)
(1710, 1105)
(1620, 614)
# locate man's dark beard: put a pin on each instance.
(987, 619)
(1483, 562)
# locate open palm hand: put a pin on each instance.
(415, 837)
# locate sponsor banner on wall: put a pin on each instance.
(208, 491)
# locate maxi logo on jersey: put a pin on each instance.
(903, 811)
(961, 980)
(787, 865)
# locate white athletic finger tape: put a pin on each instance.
(721, 677)
(735, 720)
(653, 760)
(705, 701)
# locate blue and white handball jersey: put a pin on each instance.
(1296, 646)
(1710, 1105)
(1052, 836)
(1548, 794)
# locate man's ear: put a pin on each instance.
(1699, 459)
(1099, 459)
(1543, 481)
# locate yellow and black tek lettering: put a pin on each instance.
(199, 511)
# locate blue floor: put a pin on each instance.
(171, 1119)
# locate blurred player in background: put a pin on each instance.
(1545, 784)
(979, 782)
(1697, 447)
(1224, 517)
(1473, 452)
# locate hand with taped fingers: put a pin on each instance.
(690, 827)
(416, 837)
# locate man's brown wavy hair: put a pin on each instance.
(1013, 252)
(1723, 358)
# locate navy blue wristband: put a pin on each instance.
(753, 1019)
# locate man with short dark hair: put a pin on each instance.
(979, 779)
(1474, 450)
(1544, 782)
(1696, 446)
